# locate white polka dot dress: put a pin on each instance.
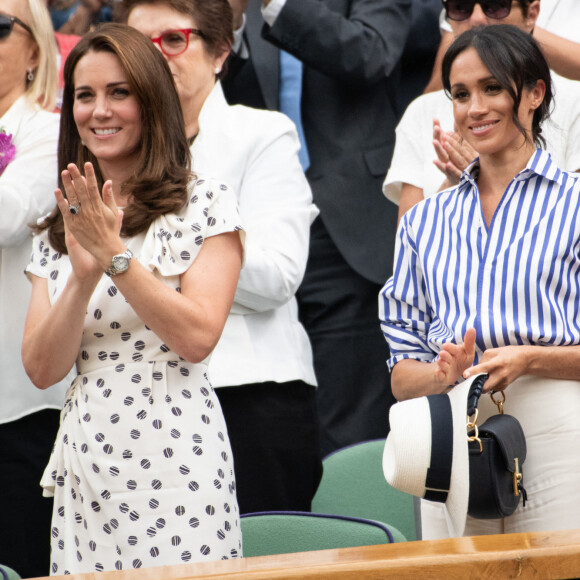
(142, 470)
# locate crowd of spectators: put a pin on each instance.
(311, 112)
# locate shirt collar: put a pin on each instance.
(214, 102)
(18, 115)
(470, 174)
(540, 163)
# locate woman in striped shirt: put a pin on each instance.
(487, 276)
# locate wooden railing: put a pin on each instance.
(549, 555)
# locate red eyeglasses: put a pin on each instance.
(175, 42)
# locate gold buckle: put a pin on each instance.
(499, 404)
(517, 476)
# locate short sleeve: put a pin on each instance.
(414, 153)
(407, 162)
(174, 240)
(43, 256)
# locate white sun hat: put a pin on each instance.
(426, 452)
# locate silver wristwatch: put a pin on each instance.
(119, 263)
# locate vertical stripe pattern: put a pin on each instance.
(516, 281)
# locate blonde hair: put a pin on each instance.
(43, 88)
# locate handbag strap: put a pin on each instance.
(438, 477)
(475, 393)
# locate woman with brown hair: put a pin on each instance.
(132, 277)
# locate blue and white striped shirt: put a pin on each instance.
(517, 282)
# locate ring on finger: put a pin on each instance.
(74, 209)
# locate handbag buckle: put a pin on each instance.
(517, 476)
(499, 404)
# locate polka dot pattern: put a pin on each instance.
(141, 471)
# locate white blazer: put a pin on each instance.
(256, 153)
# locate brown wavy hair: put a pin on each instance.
(163, 169)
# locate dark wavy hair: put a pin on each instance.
(162, 173)
(516, 61)
(213, 17)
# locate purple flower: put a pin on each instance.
(7, 150)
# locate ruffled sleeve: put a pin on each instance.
(174, 240)
(42, 256)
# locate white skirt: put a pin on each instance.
(142, 471)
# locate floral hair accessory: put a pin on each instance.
(7, 150)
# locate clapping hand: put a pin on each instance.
(92, 232)
(454, 154)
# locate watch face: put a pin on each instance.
(120, 263)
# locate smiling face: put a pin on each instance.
(18, 54)
(194, 71)
(483, 109)
(106, 113)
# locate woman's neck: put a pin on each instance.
(496, 172)
(192, 126)
(192, 110)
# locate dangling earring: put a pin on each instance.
(30, 75)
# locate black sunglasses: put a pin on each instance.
(463, 9)
(7, 24)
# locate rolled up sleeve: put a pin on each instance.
(404, 310)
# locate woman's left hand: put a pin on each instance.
(97, 223)
(503, 365)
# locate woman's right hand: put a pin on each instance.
(454, 359)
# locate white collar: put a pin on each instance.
(215, 102)
(18, 113)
